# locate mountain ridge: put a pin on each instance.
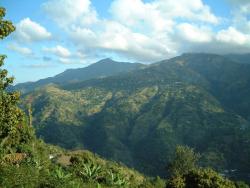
(102, 68)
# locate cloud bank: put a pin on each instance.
(136, 30)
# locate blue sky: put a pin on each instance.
(54, 35)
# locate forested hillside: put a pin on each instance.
(141, 116)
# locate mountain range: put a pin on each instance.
(138, 114)
(103, 68)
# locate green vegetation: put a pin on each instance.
(185, 160)
(186, 174)
(200, 178)
(139, 123)
(141, 126)
(68, 169)
(14, 133)
(140, 117)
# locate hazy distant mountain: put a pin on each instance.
(103, 68)
(240, 58)
(138, 117)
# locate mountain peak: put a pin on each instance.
(106, 60)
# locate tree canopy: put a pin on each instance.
(13, 130)
(185, 160)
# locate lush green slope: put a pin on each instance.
(103, 68)
(48, 166)
(229, 82)
(200, 100)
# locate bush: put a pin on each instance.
(200, 178)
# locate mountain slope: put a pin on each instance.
(229, 81)
(103, 68)
(240, 58)
(139, 117)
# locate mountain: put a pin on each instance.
(102, 68)
(139, 117)
(240, 58)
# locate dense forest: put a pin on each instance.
(152, 125)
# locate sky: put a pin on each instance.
(54, 35)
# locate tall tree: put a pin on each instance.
(185, 160)
(13, 129)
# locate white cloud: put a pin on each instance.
(30, 31)
(83, 36)
(187, 9)
(63, 55)
(141, 16)
(229, 40)
(58, 51)
(146, 31)
(115, 37)
(20, 49)
(80, 55)
(240, 15)
(65, 61)
(232, 35)
(160, 14)
(65, 12)
(68, 61)
(193, 33)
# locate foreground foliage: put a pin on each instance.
(14, 132)
(200, 178)
(185, 173)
